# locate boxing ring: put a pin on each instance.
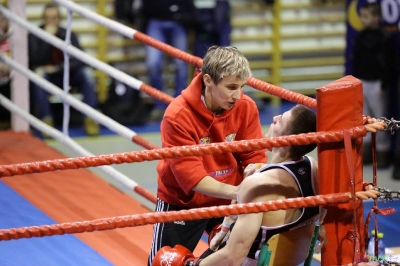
(120, 227)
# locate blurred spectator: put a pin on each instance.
(130, 12)
(213, 25)
(167, 21)
(125, 105)
(123, 10)
(372, 64)
(4, 71)
(396, 169)
(48, 61)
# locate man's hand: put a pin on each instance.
(251, 168)
(221, 234)
(48, 69)
(51, 28)
(4, 70)
(219, 238)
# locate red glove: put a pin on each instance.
(176, 256)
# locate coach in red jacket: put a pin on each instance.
(212, 109)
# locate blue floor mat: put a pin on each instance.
(49, 250)
(388, 225)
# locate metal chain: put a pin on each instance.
(387, 195)
(391, 125)
(387, 262)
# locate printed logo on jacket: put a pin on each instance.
(220, 173)
(230, 137)
(205, 140)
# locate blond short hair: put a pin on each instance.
(223, 61)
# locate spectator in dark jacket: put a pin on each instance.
(5, 116)
(396, 163)
(48, 61)
(372, 64)
(213, 25)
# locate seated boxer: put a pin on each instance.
(290, 174)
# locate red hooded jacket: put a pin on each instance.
(187, 121)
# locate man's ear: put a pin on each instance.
(207, 80)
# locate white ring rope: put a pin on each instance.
(109, 23)
(67, 98)
(80, 106)
(66, 140)
(66, 86)
(77, 53)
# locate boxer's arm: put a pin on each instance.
(241, 238)
(220, 234)
(243, 233)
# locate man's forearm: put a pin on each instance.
(211, 187)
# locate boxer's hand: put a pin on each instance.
(176, 256)
(51, 28)
(228, 221)
(219, 239)
(220, 234)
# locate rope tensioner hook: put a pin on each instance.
(391, 125)
(387, 195)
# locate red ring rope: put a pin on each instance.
(163, 217)
(193, 150)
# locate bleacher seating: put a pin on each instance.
(295, 44)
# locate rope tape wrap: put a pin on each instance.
(163, 217)
(194, 150)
